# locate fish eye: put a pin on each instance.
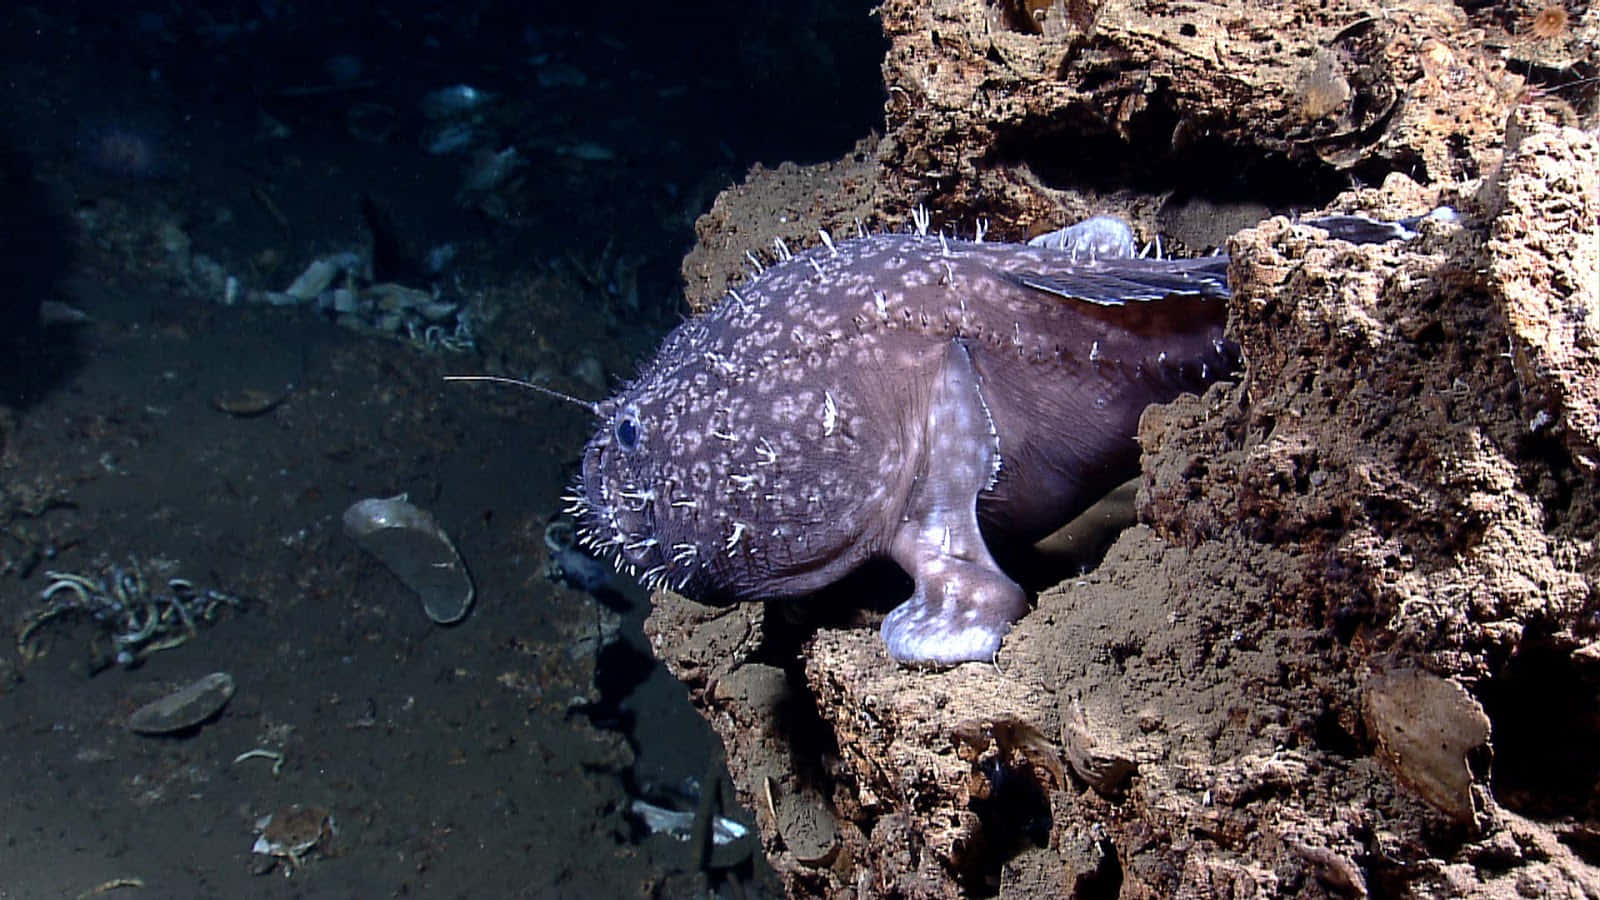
(628, 430)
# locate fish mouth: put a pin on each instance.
(617, 523)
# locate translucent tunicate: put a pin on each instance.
(407, 540)
(1103, 237)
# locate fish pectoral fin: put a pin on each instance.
(959, 612)
(963, 604)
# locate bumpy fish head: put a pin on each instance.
(624, 487)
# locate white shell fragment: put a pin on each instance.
(680, 824)
(1427, 728)
(455, 100)
(185, 708)
(407, 540)
(313, 281)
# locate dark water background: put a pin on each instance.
(161, 159)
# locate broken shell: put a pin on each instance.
(680, 823)
(490, 170)
(247, 402)
(408, 541)
(448, 137)
(293, 831)
(1426, 728)
(314, 280)
(185, 708)
(1095, 754)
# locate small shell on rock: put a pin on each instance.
(1427, 729)
(408, 541)
(1095, 753)
(185, 708)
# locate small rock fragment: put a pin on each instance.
(1096, 758)
(1323, 88)
(185, 708)
(806, 826)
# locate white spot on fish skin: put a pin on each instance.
(830, 415)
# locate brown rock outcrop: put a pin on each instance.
(1386, 528)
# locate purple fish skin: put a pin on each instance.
(902, 396)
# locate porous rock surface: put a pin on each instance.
(1353, 646)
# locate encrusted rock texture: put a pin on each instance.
(1352, 647)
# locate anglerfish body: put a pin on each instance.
(902, 396)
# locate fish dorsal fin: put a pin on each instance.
(1121, 281)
